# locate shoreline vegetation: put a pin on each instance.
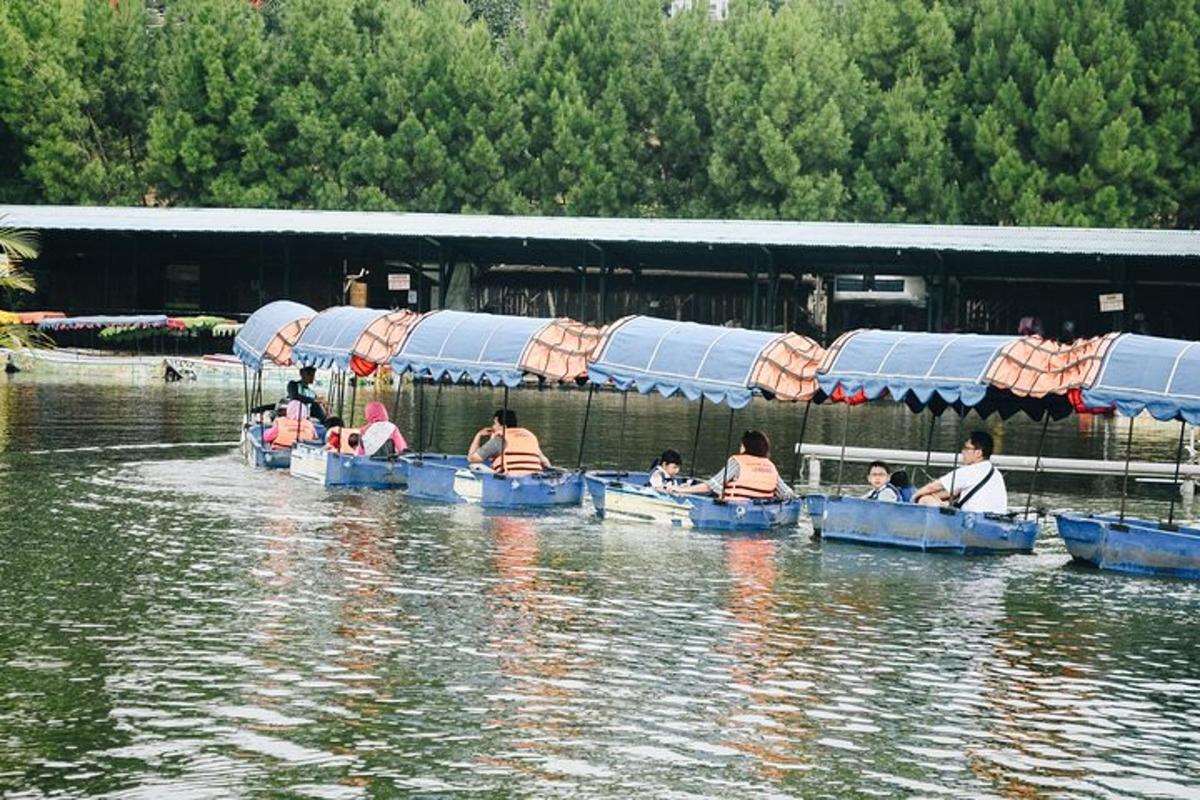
(1043, 112)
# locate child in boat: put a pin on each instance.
(380, 438)
(509, 449)
(664, 469)
(749, 475)
(879, 477)
(295, 427)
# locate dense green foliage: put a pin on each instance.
(1055, 112)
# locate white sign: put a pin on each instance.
(1112, 302)
(412, 298)
(399, 281)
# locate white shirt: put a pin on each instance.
(993, 497)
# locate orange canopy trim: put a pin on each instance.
(788, 368)
(1035, 367)
(560, 350)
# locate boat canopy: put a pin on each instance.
(350, 338)
(270, 333)
(86, 323)
(723, 365)
(497, 349)
(1146, 373)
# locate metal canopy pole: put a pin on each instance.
(621, 437)
(437, 403)
(954, 467)
(353, 397)
(696, 438)
(800, 444)
(1174, 483)
(842, 457)
(728, 447)
(587, 413)
(396, 401)
(1037, 463)
(1128, 458)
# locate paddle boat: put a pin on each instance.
(698, 362)
(456, 346)
(265, 339)
(1161, 378)
(957, 372)
(354, 342)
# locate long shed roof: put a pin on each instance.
(466, 228)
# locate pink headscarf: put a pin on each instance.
(376, 412)
(297, 410)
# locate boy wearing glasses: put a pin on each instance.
(977, 484)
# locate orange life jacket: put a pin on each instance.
(756, 480)
(291, 430)
(343, 440)
(520, 454)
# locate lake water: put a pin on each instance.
(173, 623)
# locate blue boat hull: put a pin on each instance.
(1135, 546)
(265, 457)
(627, 495)
(447, 479)
(917, 527)
(315, 463)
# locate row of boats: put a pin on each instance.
(1127, 374)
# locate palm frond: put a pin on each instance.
(18, 244)
(22, 337)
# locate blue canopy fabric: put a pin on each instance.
(652, 354)
(257, 340)
(1146, 373)
(80, 323)
(919, 368)
(329, 339)
(461, 345)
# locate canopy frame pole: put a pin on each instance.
(421, 419)
(504, 430)
(1037, 463)
(1175, 482)
(1125, 479)
(929, 442)
(262, 429)
(696, 437)
(621, 436)
(842, 456)
(246, 392)
(587, 413)
(437, 402)
(353, 396)
(954, 468)
(396, 401)
(728, 447)
(800, 444)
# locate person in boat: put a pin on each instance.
(879, 476)
(292, 428)
(749, 475)
(902, 483)
(380, 438)
(977, 484)
(664, 469)
(301, 389)
(509, 449)
(337, 436)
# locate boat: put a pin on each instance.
(1161, 378)
(462, 347)
(266, 340)
(350, 341)
(939, 372)
(705, 363)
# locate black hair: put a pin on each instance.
(354, 440)
(881, 464)
(983, 441)
(756, 443)
(506, 417)
(900, 479)
(333, 422)
(313, 370)
(668, 456)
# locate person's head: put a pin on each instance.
(977, 448)
(878, 474)
(308, 374)
(297, 410)
(333, 422)
(900, 479)
(756, 443)
(671, 462)
(353, 440)
(503, 418)
(376, 412)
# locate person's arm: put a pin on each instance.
(487, 451)
(473, 455)
(271, 434)
(783, 491)
(934, 488)
(545, 461)
(398, 441)
(713, 485)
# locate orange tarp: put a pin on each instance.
(1035, 367)
(788, 368)
(560, 350)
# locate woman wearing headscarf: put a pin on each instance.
(379, 437)
(294, 427)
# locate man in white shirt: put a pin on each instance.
(976, 485)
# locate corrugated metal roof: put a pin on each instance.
(601, 230)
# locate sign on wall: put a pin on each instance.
(399, 281)
(1112, 302)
